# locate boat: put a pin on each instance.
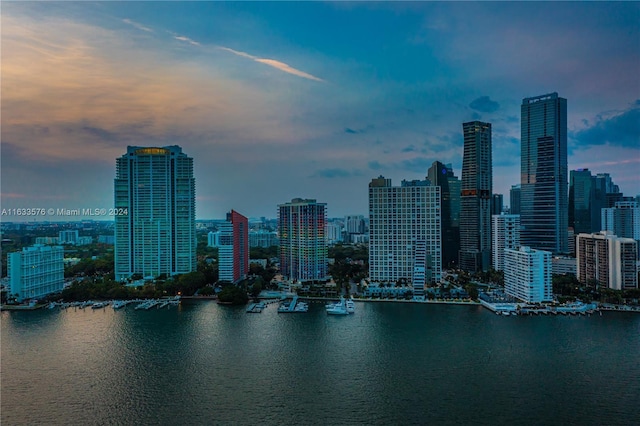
(351, 306)
(339, 308)
(119, 304)
(98, 305)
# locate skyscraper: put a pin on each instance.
(623, 220)
(475, 198)
(303, 248)
(584, 208)
(442, 175)
(514, 199)
(543, 178)
(497, 204)
(155, 191)
(402, 218)
(607, 260)
(233, 251)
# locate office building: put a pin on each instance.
(233, 248)
(155, 186)
(442, 175)
(35, 272)
(527, 275)
(562, 265)
(303, 247)
(623, 220)
(584, 207)
(544, 200)
(505, 232)
(514, 199)
(475, 198)
(497, 204)
(400, 217)
(603, 259)
(213, 238)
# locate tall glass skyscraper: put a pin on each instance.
(544, 202)
(303, 248)
(442, 175)
(475, 198)
(155, 187)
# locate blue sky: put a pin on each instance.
(313, 100)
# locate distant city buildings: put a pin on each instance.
(68, 237)
(475, 198)
(35, 271)
(106, 239)
(606, 260)
(544, 200)
(263, 238)
(158, 235)
(497, 204)
(527, 274)
(233, 248)
(442, 175)
(333, 233)
(505, 232)
(401, 218)
(563, 265)
(303, 248)
(584, 206)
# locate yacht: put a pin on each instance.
(98, 305)
(351, 306)
(339, 308)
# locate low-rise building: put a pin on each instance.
(36, 271)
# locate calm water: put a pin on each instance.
(387, 364)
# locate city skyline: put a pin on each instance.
(276, 101)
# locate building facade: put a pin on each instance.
(400, 217)
(623, 220)
(505, 233)
(263, 238)
(475, 198)
(584, 208)
(233, 248)
(514, 199)
(156, 234)
(303, 247)
(442, 175)
(527, 275)
(606, 260)
(69, 236)
(35, 271)
(544, 200)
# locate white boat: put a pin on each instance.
(351, 306)
(119, 304)
(98, 305)
(339, 308)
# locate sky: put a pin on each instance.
(279, 100)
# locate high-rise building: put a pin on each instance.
(401, 218)
(505, 232)
(497, 204)
(354, 224)
(606, 260)
(527, 274)
(584, 207)
(333, 232)
(35, 271)
(623, 220)
(303, 248)
(233, 251)
(155, 191)
(514, 199)
(475, 198)
(69, 236)
(442, 175)
(543, 208)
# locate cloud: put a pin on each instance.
(273, 63)
(185, 39)
(622, 129)
(348, 130)
(409, 148)
(137, 25)
(484, 104)
(334, 173)
(375, 165)
(418, 164)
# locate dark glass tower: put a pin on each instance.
(475, 198)
(442, 175)
(584, 210)
(544, 202)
